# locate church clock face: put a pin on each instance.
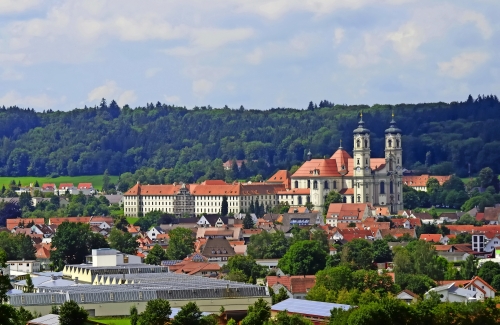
(398, 168)
(358, 168)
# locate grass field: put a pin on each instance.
(442, 210)
(115, 321)
(96, 180)
(132, 220)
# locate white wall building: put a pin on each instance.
(111, 257)
(23, 266)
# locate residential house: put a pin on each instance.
(58, 221)
(452, 293)
(218, 250)
(102, 222)
(195, 264)
(434, 238)
(347, 213)
(426, 218)
(65, 187)
(297, 286)
(247, 233)
(213, 220)
(451, 216)
(153, 232)
(491, 216)
(22, 222)
(406, 213)
(85, 188)
(42, 255)
(48, 188)
(21, 267)
(298, 210)
(407, 223)
(407, 296)
(476, 284)
(398, 232)
(419, 182)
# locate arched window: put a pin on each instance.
(397, 143)
(367, 199)
(326, 185)
(300, 200)
(358, 143)
(296, 184)
(335, 184)
(391, 188)
(315, 185)
(366, 161)
(382, 187)
(358, 161)
(389, 143)
(308, 199)
(366, 143)
(344, 199)
(308, 184)
(359, 198)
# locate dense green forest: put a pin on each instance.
(440, 137)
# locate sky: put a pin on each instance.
(65, 54)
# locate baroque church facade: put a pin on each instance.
(359, 178)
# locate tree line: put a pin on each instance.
(192, 144)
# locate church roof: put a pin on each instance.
(318, 168)
(342, 157)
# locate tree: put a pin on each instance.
(469, 268)
(280, 296)
(303, 257)
(181, 243)
(267, 245)
(282, 318)
(189, 314)
(224, 207)
(331, 197)
(25, 202)
(488, 271)
(486, 177)
(382, 252)
(258, 313)
(134, 315)
(9, 210)
(105, 181)
(358, 253)
(72, 242)
(156, 255)
(23, 316)
(496, 282)
(29, 284)
(248, 221)
(123, 241)
(121, 223)
(157, 313)
(247, 265)
(72, 314)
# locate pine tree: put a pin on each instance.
(105, 181)
(248, 221)
(224, 208)
(257, 208)
(251, 208)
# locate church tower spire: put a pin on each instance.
(394, 165)
(361, 156)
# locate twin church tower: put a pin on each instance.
(358, 178)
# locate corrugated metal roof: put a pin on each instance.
(308, 307)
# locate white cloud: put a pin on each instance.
(462, 65)
(11, 75)
(13, 6)
(172, 99)
(202, 87)
(110, 90)
(255, 57)
(338, 35)
(42, 101)
(151, 72)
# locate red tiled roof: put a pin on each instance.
(281, 176)
(431, 237)
(421, 180)
(42, 252)
(58, 221)
(323, 168)
(347, 191)
(65, 185)
(296, 191)
(346, 209)
(299, 210)
(12, 223)
(49, 186)
(84, 186)
(293, 283)
(442, 248)
(491, 214)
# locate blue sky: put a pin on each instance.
(64, 54)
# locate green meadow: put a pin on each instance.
(96, 180)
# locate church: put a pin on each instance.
(359, 178)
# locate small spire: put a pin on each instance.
(340, 147)
(361, 115)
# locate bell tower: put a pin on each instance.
(361, 166)
(394, 166)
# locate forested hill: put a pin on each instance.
(90, 140)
